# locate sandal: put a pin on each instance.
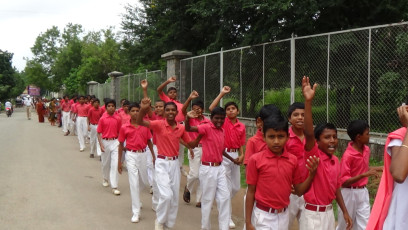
(198, 205)
(186, 195)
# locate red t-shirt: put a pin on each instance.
(109, 125)
(82, 110)
(254, 145)
(168, 138)
(65, 106)
(273, 177)
(235, 135)
(196, 122)
(354, 163)
(180, 116)
(322, 191)
(125, 117)
(212, 141)
(136, 137)
(297, 147)
(94, 115)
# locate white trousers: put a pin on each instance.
(72, 126)
(167, 175)
(156, 193)
(232, 171)
(358, 206)
(110, 162)
(94, 139)
(65, 121)
(214, 185)
(150, 167)
(311, 220)
(137, 173)
(181, 155)
(262, 220)
(82, 130)
(28, 109)
(193, 182)
(295, 208)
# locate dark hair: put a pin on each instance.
(160, 101)
(96, 100)
(170, 103)
(65, 96)
(217, 111)
(229, 104)
(294, 106)
(134, 104)
(110, 101)
(198, 103)
(79, 97)
(122, 100)
(320, 127)
(126, 102)
(171, 88)
(356, 127)
(269, 110)
(275, 122)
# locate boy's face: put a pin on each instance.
(125, 108)
(172, 94)
(259, 124)
(328, 141)
(218, 120)
(365, 137)
(159, 108)
(170, 112)
(198, 110)
(134, 112)
(110, 108)
(297, 118)
(81, 100)
(276, 140)
(232, 111)
(95, 104)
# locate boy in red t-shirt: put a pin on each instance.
(137, 139)
(354, 173)
(270, 176)
(235, 138)
(167, 168)
(213, 179)
(108, 131)
(172, 97)
(321, 142)
(94, 114)
(81, 119)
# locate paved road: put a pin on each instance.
(46, 183)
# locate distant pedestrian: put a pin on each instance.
(28, 103)
(40, 110)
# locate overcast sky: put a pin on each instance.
(21, 21)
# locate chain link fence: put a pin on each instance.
(362, 73)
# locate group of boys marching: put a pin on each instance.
(291, 172)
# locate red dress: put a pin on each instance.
(40, 111)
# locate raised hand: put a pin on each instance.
(192, 114)
(144, 84)
(311, 164)
(307, 89)
(145, 103)
(172, 79)
(403, 115)
(193, 94)
(226, 89)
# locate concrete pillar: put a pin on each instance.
(115, 93)
(173, 69)
(92, 88)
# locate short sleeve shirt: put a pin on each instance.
(296, 147)
(94, 115)
(354, 163)
(136, 137)
(273, 176)
(180, 116)
(254, 145)
(322, 191)
(168, 139)
(82, 110)
(154, 118)
(109, 125)
(65, 106)
(212, 141)
(235, 135)
(196, 122)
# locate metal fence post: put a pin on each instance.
(327, 78)
(191, 76)
(240, 81)
(369, 78)
(205, 63)
(292, 69)
(221, 74)
(263, 74)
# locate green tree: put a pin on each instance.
(7, 80)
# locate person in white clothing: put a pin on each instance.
(28, 103)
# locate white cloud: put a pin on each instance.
(21, 21)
